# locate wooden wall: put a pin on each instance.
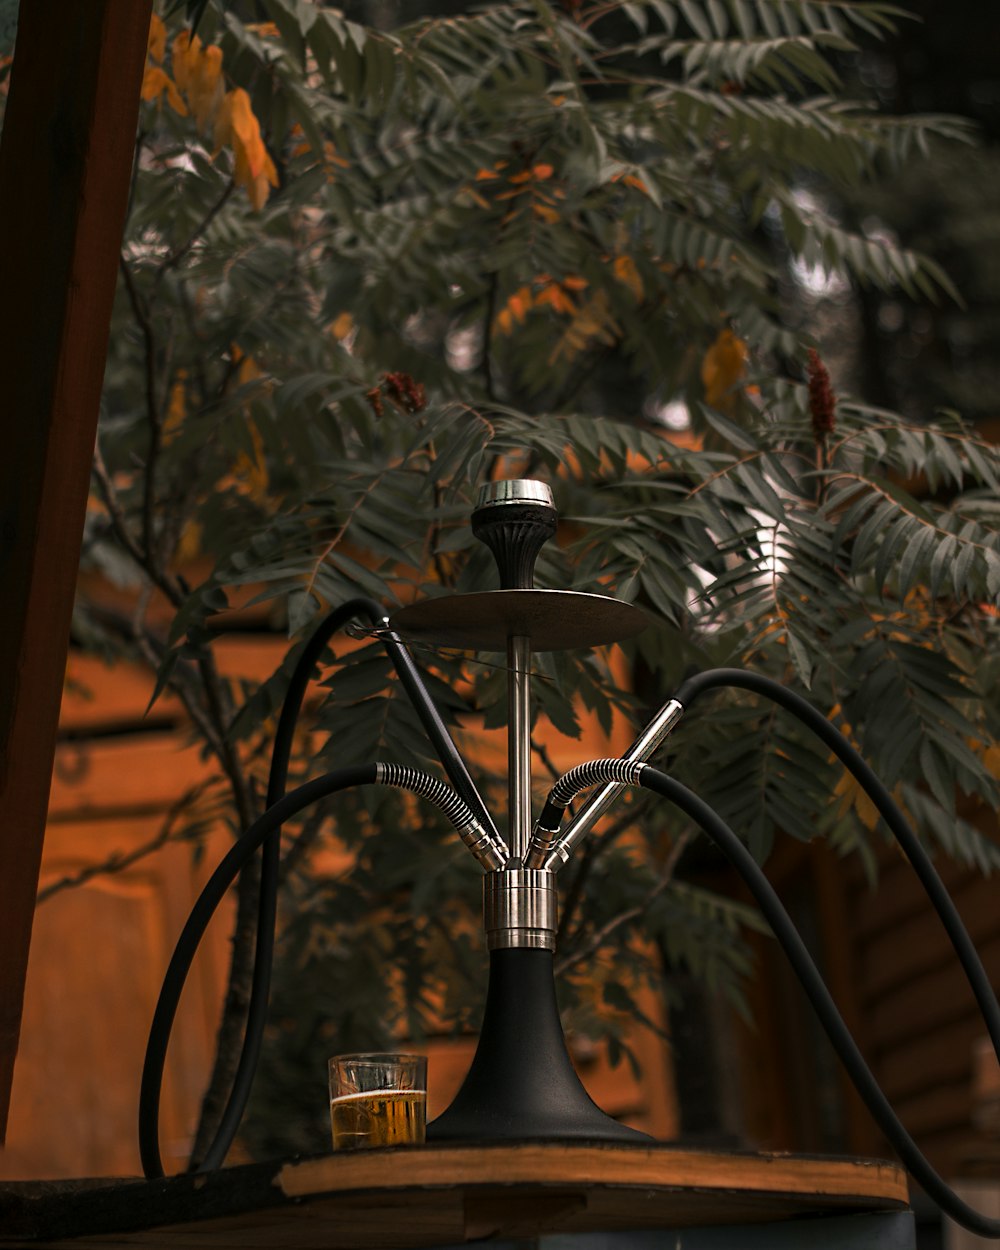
(901, 990)
(100, 949)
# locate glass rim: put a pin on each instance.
(376, 1056)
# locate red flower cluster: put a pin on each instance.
(402, 390)
(822, 402)
(374, 397)
(409, 395)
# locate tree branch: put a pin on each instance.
(119, 861)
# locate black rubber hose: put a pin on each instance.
(808, 974)
(267, 906)
(173, 983)
(887, 807)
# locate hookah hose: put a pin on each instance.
(270, 841)
(635, 772)
(830, 1018)
(264, 827)
(887, 808)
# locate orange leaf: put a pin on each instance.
(156, 83)
(486, 175)
(520, 302)
(342, 325)
(625, 271)
(723, 367)
(524, 176)
(546, 213)
(176, 409)
(184, 53)
(259, 190)
(246, 138)
(556, 298)
(205, 87)
(156, 41)
(541, 172)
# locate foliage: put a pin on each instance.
(518, 241)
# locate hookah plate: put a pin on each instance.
(554, 620)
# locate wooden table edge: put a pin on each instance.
(869, 1183)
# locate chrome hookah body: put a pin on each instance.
(522, 1083)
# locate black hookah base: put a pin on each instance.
(521, 1084)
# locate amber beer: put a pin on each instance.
(378, 1117)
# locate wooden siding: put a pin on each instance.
(899, 986)
(100, 948)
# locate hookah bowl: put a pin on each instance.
(521, 1084)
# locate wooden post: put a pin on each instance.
(65, 164)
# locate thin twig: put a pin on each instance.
(542, 751)
(595, 849)
(124, 535)
(334, 541)
(142, 317)
(179, 253)
(632, 913)
(119, 861)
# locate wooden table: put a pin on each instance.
(446, 1195)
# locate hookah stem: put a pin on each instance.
(519, 745)
(812, 982)
(454, 766)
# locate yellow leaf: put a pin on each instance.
(177, 407)
(248, 371)
(249, 470)
(723, 366)
(592, 323)
(849, 790)
(342, 325)
(189, 547)
(626, 272)
(156, 42)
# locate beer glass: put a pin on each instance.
(378, 1100)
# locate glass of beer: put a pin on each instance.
(378, 1100)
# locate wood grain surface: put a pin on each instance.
(445, 1195)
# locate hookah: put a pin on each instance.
(521, 1084)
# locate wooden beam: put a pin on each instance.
(65, 163)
